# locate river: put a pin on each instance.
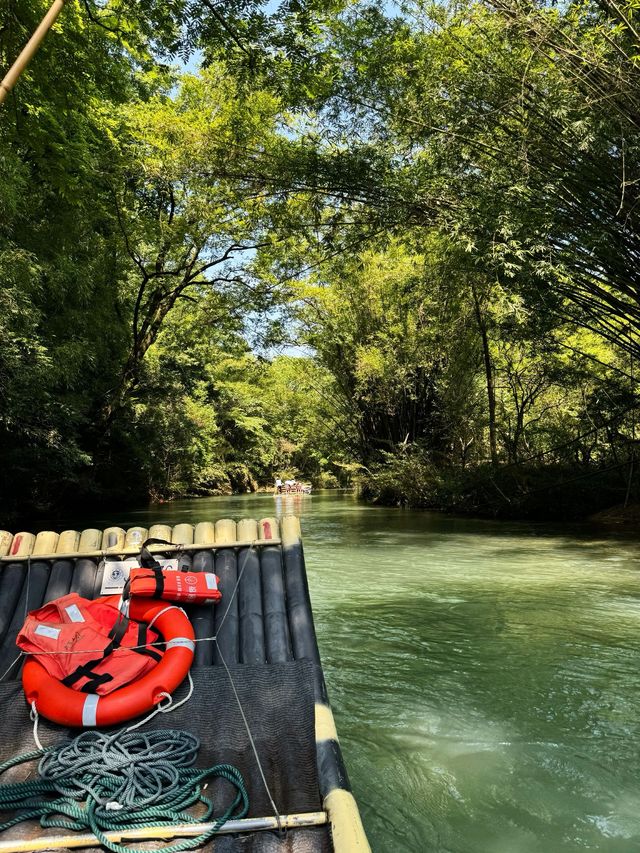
(485, 676)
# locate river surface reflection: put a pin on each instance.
(485, 676)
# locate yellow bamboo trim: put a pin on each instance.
(46, 543)
(290, 530)
(268, 524)
(205, 532)
(247, 528)
(158, 549)
(225, 531)
(135, 536)
(160, 531)
(69, 541)
(5, 542)
(113, 539)
(184, 830)
(347, 832)
(90, 540)
(183, 534)
(325, 724)
(25, 542)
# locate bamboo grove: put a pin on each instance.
(386, 244)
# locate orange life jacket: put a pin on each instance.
(70, 707)
(189, 587)
(89, 643)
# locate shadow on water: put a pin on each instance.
(485, 675)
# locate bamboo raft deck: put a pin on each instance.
(270, 621)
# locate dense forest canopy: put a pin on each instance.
(387, 243)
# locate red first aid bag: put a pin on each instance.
(188, 587)
(87, 645)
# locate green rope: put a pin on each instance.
(126, 780)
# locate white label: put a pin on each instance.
(116, 573)
(48, 631)
(73, 612)
(210, 580)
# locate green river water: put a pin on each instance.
(485, 676)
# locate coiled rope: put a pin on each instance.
(125, 780)
(127, 822)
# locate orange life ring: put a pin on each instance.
(70, 707)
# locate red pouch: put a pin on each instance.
(188, 587)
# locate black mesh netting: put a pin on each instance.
(278, 702)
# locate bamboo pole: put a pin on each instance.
(135, 552)
(185, 830)
(28, 51)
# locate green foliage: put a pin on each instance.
(313, 433)
(58, 262)
(440, 204)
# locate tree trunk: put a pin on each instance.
(488, 370)
(161, 305)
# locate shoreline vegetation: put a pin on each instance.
(390, 247)
(474, 497)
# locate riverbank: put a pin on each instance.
(509, 492)
(523, 492)
(627, 517)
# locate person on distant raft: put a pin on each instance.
(278, 486)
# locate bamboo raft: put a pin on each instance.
(270, 622)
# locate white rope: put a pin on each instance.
(233, 686)
(160, 709)
(34, 717)
(251, 741)
(235, 588)
(159, 614)
(11, 665)
(165, 709)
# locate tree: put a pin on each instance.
(59, 263)
(182, 225)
